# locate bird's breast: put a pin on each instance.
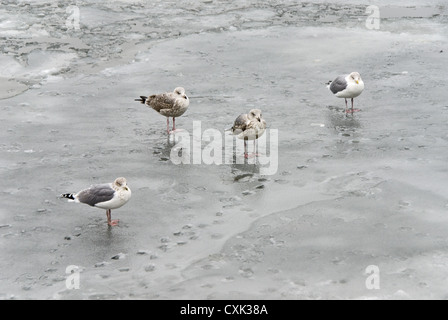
(125, 195)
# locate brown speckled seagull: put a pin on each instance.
(105, 196)
(169, 104)
(249, 126)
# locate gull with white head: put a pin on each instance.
(105, 196)
(348, 87)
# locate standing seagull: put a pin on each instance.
(347, 86)
(105, 196)
(169, 104)
(249, 126)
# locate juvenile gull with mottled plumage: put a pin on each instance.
(169, 104)
(249, 126)
(348, 87)
(105, 196)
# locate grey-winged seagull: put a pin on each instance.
(348, 87)
(169, 104)
(249, 126)
(105, 196)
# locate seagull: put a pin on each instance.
(249, 126)
(169, 104)
(347, 86)
(105, 196)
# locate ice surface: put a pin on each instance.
(349, 192)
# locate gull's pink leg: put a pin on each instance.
(256, 149)
(354, 110)
(254, 153)
(245, 149)
(347, 109)
(109, 218)
(174, 123)
(167, 124)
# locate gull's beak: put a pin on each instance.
(357, 81)
(185, 96)
(259, 119)
(126, 188)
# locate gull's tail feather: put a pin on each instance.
(69, 196)
(142, 99)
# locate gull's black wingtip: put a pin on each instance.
(70, 196)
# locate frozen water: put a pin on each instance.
(349, 192)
